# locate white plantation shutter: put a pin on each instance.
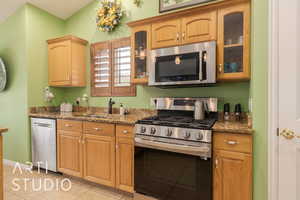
(102, 71)
(122, 66)
(111, 69)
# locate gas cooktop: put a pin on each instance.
(179, 121)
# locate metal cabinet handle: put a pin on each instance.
(183, 35)
(220, 68)
(125, 131)
(231, 142)
(177, 36)
(216, 163)
(68, 125)
(97, 129)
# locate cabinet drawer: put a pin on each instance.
(233, 142)
(69, 125)
(99, 129)
(124, 131)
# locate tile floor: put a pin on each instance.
(29, 187)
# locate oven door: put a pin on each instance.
(169, 175)
(183, 65)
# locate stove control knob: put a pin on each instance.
(153, 131)
(143, 129)
(200, 136)
(187, 135)
(169, 132)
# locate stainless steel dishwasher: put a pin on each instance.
(43, 140)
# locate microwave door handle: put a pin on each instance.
(203, 65)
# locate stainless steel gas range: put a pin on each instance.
(173, 151)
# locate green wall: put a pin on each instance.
(259, 93)
(40, 26)
(13, 101)
(23, 48)
(82, 24)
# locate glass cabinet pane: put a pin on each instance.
(233, 29)
(233, 59)
(140, 57)
(233, 42)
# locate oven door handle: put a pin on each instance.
(190, 150)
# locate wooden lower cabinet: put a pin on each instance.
(69, 153)
(232, 170)
(124, 164)
(99, 159)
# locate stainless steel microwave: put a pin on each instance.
(193, 64)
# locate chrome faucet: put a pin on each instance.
(110, 105)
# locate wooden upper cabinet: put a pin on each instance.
(67, 62)
(232, 176)
(166, 33)
(194, 28)
(140, 47)
(199, 27)
(234, 42)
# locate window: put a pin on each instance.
(111, 69)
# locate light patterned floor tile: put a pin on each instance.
(80, 190)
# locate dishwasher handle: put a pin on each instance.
(42, 125)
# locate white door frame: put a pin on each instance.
(273, 96)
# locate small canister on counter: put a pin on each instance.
(226, 112)
(238, 112)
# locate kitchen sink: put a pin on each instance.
(92, 115)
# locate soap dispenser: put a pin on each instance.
(122, 109)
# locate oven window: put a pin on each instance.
(183, 67)
(172, 176)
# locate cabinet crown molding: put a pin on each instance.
(186, 12)
(68, 37)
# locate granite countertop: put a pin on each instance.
(129, 119)
(3, 130)
(233, 127)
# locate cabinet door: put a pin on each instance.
(60, 69)
(69, 153)
(140, 43)
(232, 176)
(124, 164)
(166, 33)
(99, 159)
(199, 28)
(234, 42)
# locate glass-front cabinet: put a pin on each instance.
(140, 53)
(234, 43)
